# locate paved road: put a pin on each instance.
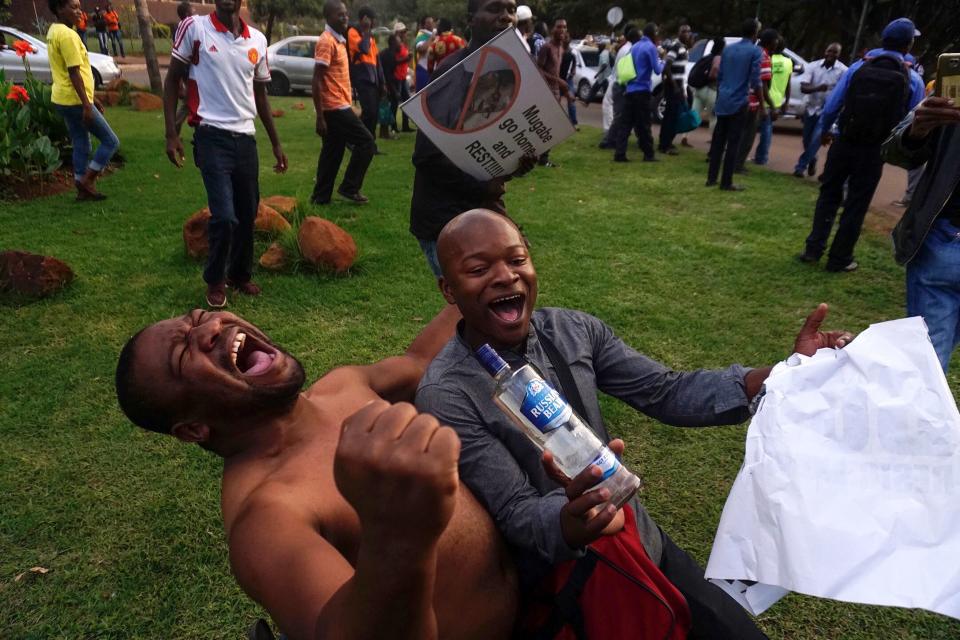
(786, 148)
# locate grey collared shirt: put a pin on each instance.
(503, 468)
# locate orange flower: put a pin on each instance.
(22, 48)
(18, 94)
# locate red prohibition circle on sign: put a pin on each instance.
(485, 101)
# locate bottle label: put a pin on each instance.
(607, 462)
(544, 407)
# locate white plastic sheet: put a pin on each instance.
(850, 486)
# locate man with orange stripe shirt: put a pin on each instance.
(337, 124)
(366, 75)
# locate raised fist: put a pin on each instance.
(398, 469)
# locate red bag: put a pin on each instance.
(615, 591)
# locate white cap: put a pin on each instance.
(524, 13)
(398, 27)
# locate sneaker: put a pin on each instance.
(812, 169)
(731, 187)
(798, 174)
(684, 142)
(356, 196)
(217, 295)
(621, 159)
(847, 268)
(808, 258)
(247, 288)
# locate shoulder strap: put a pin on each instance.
(566, 603)
(568, 385)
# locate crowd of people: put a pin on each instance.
(435, 516)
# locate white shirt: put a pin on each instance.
(222, 72)
(817, 74)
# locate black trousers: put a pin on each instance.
(668, 127)
(400, 93)
(860, 167)
(748, 137)
(230, 169)
(714, 614)
(369, 97)
(636, 115)
(725, 145)
(343, 128)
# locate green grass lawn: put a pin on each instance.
(128, 522)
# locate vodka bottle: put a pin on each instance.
(546, 418)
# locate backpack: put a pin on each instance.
(877, 98)
(626, 71)
(700, 73)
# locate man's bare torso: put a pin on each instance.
(475, 591)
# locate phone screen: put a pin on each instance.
(948, 76)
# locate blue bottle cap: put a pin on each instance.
(491, 360)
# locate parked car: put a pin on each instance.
(103, 67)
(794, 108)
(291, 64)
(586, 62)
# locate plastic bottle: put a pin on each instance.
(546, 418)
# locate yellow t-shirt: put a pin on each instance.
(66, 50)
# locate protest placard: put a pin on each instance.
(490, 109)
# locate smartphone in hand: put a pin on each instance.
(948, 76)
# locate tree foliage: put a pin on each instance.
(268, 12)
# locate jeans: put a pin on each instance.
(713, 614)
(636, 116)
(429, 248)
(933, 287)
(422, 77)
(572, 103)
(401, 93)
(762, 153)
(343, 127)
(725, 145)
(116, 38)
(230, 169)
(811, 142)
(102, 41)
(83, 37)
(80, 137)
(860, 167)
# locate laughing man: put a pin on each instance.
(488, 273)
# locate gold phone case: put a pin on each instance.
(948, 76)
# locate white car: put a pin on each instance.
(291, 64)
(586, 61)
(794, 109)
(103, 67)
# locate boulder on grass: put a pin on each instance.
(284, 204)
(32, 275)
(277, 113)
(108, 98)
(324, 244)
(143, 101)
(274, 258)
(195, 234)
(298, 106)
(117, 84)
(269, 221)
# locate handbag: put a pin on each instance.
(687, 120)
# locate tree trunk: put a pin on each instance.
(856, 39)
(149, 51)
(269, 31)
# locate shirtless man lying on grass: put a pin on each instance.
(343, 513)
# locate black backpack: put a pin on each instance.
(877, 99)
(699, 76)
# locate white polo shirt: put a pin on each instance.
(222, 71)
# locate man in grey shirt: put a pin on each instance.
(488, 274)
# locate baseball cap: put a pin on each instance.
(398, 27)
(524, 13)
(900, 30)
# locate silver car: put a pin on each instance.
(291, 64)
(103, 67)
